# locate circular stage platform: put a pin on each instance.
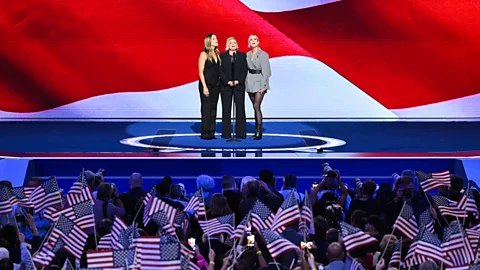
(271, 142)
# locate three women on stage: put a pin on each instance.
(231, 74)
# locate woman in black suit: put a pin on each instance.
(233, 73)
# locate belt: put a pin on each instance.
(255, 71)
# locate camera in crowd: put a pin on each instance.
(333, 213)
(99, 175)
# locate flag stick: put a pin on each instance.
(393, 230)
(204, 206)
(466, 193)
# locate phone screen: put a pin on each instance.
(307, 245)
(191, 243)
(250, 240)
(314, 185)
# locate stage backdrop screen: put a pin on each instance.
(330, 59)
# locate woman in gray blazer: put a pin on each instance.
(256, 83)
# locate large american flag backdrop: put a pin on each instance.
(381, 59)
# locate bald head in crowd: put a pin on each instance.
(136, 180)
(335, 252)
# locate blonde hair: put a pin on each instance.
(228, 41)
(252, 36)
(207, 44)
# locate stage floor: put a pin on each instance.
(180, 139)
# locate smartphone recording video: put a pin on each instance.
(191, 243)
(307, 245)
(250, 240)
(314, 184)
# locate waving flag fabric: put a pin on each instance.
(47, 194)
(197, 204)
(244, 225)
(22, 195)
(219, 225)
(307, 215)
(396, 258)
(456, 245)
(448, 207)
(426, 246)
(398, 52)
(276, 244)
(431, 181)
(467, 203)
(287, 213)
(354, 238)
(80, 192)
(406, 222)
(80, 213)
(74, 237)
(47, 252)
(162, 214)
(111, 258)
(5, 200)
(261, 216)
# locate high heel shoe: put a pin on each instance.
(258, 133)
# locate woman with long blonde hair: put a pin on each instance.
(257, 82)
(209, 85)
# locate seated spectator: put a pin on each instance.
(176, 194)
(290, 185)
(103, 208)
(335, 257)
(229, 190)
(207, 183)
(130, 198)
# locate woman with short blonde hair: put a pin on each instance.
(234, 71)
(209, 85)
(257, 81)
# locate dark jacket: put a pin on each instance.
(239, 72)
(233, 199)
(130, 199)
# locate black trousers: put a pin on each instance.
(208, 109)
(241, 122)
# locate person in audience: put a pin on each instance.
(366, 202)
(215, 243)
(176, 194)
(429, 265)
(163, 193)
(207, 183)
(268, 178)
(184, 192)
(456, 186)
(104, 208)
(130, 198)
(321, 243)
(387, 243)
(105, 227)
(218, 206)
(290, 185)
(291, 234)
(375, 227)
(6, 264)
(229, 190)
(243, 183)
(254, 193)
(359, 219)
(335, 257)
(332, 235)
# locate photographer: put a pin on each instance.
(331, 183)
(94, 180)
(404, 194)
(365, 202)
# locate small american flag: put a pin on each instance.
(28, 263)
(187, 256)
(5, 200)
(448, 207)
(276, 244)
(223, 224)
(197, 203)
(431, 181)
(425, 220)
(120, 258)
(105, 242)
(156, 205)
(475, 266)
(181, 221)
(118, 226)
(426, 246)
(80, 213)
(158, 253)
(261, 216)
(80, 192)
(287, 213)
(396, 258)
(125, 237)
(47, 194)
(352, 264)
(244, 225)
(307, 215)
(149, 195)
(71, 234)
(354, 237)
(46, 254)
(467, 203)
(22, 194)
(406, 222)
(456, 245)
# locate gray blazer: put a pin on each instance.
(257, 82)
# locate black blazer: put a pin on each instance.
(241, 70)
